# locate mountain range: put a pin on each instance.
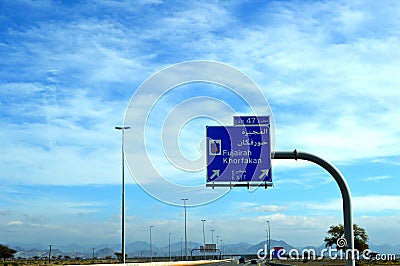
(142, 249)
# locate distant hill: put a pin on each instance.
(274, 243)
(385, 248)
(26, 246)
(104, 252)
(30, 253)
(240, 248)
(141, 248)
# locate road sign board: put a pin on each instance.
(251, 120)
(209, 248)
(238, 154)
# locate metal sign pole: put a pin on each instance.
(344, 189)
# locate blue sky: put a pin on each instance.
(329, 70)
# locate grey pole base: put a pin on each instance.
(344, 189)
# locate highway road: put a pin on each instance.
(236, 263)
(226, 263)
(247, 263)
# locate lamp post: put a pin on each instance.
(181, 249)
(204, 240)
(186, 245)
(151, 251)
(123, 193)
(222, 251)
(50, 253)
(216, 245)
(169, 246)
(212, 241)
(269, 239)
(266, 250)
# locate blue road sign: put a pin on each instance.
(251, 120)
(238, 154)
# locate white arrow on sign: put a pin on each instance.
(264, 172)
(215, 173)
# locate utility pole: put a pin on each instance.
(212, 242)
(151, 252)
(123, 194)
(50, 253)
(269, 239)
(169, 246)
(181, 249)
(186, 245)
(222, 251)
(204, 240)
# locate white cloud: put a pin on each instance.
(56, 205)
(295, 230)
(377, 178)
(66, 139)
(255, 207)
(58, 234)
(380, 229)
(361, 204)
(376, 203)
(300, 68)
(346, 93)
(14, 223)
(270, 208)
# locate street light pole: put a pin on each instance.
(123, 193)
(151, 251)
(269, 239)
(169, 246)
(217, 241)
(218, 246)
(212, 241)
(222, 251)
(50, 253)
(266, 250)
(204, 240)
(186, 245)
(181, 249)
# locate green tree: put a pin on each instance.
(337, 231)
(6, 252)
(119, 255)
